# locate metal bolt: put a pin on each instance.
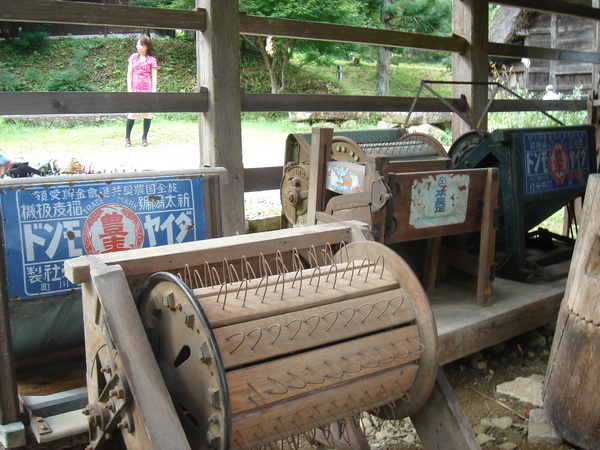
(123, 424)
(168, 300)
(213, 441)
(213, 398)
(44, 428)
(39, 419)
(214, 419)
(105, 369)
(116, 393)
(204, 353)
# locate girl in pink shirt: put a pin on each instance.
(141, 77)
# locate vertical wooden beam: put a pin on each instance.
(9, 401)
(320, 155)
(470, 21)
(218, 56)
(553, 44)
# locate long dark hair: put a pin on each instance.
(145, 40)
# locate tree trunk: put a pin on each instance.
(383, 71)
(383, 55)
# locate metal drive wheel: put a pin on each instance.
(294, 194)
(346, 149)
(189, 359)
(462, 147)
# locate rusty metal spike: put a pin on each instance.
(298, 330)
(293, 375)
(245, 264)
(282, 277)
(406, 351)
(224, 285)
(241, 342)
(296, 260)
(336, 367)
(198, 279)
(332, 267)
(370, 357)
(216, 279)
(382, 259)
(188, 276)
(244, 440)
(421, 346)
(315, 327)
(244, 282)
(280, 265)
(334, 320)
(327, 254)
(351, 272)
(278, 332)
(266, 279)
(298, 272)
(392, 357)
(257, 392)
(272, 392)
(318, 278)
(312, 257)
(353, 362)
(369, 313)
(387, 305)
(259, 336)
(317, 373)
(400, 305)
(232, 278)
(351, 317)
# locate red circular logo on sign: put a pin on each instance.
(558, 163)
(112, 228)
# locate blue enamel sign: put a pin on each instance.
(44, 225)
(554, 160)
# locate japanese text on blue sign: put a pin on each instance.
(44, 226)
(554, 160)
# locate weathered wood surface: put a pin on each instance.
(571, 396)
(302, 29)
(18, 103)
(441, 422)
(157, 415)
(220, 129)
(516, 308)
(532, 52)
(470, 20)
(568, 8)
(47, 11)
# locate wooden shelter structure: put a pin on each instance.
(542, 29)
(219, 102)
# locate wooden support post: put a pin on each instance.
(220, 127)
(320, 154)
(470, 21)
(441, 423)
(12, 431)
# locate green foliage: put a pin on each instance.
(9, 82)
(28, 42)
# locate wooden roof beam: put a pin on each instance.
(318, 31)
(555, 6)
(79, 13)
(556, 54)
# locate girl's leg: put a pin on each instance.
(128, 127)
(147, 123)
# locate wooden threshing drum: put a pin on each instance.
(265, 348)
(571, 396)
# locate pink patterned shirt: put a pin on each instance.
(141, 76)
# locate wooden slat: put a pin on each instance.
(262, 178)
(253, 341)
(319, 370)
(251, 429)
(516, 308)
(522, 51)
(79, 13)
(318, 102)
(554, 6)
(149, 260)
(18, 103)
(537, 105)
(301, 29)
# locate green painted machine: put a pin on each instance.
(541, 171)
